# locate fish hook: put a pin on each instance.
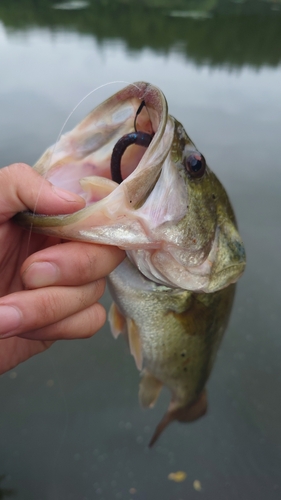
(138, 138)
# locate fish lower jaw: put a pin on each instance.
(226, 277)
(198, 279)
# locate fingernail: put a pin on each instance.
(41, 274)
(10, 320)
(66, 195)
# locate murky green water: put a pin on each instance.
(70, 423)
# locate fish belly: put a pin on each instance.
(173, 334)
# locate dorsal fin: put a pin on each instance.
(149, 390)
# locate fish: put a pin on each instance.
(150, 191)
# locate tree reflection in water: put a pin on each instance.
(216, 32)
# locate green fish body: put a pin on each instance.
(173, 294)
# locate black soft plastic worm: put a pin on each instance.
(138, 138)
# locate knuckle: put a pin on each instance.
(99, 287)
(90, 293)
(48, 307)
(85, 263)
(96, 317)
(100, 314)
(15, 170)
(87, 266)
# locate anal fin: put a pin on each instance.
(149, 390)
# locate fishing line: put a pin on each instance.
(69, 116)
(63, 398)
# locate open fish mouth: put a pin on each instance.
(80, 160)
(167, 209)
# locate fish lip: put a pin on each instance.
(230, 275)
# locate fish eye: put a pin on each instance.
(195, 165)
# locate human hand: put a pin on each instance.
(49, 288)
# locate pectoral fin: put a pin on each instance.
(149, 390)
(116, 320)
(127, 326)
(186, 414)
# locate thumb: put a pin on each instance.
(22, 188)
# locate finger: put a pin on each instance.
(22, 188)
(72, 263)
(15, 350)
(81, 325)
(24, 311)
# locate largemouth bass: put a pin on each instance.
(149, 191)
